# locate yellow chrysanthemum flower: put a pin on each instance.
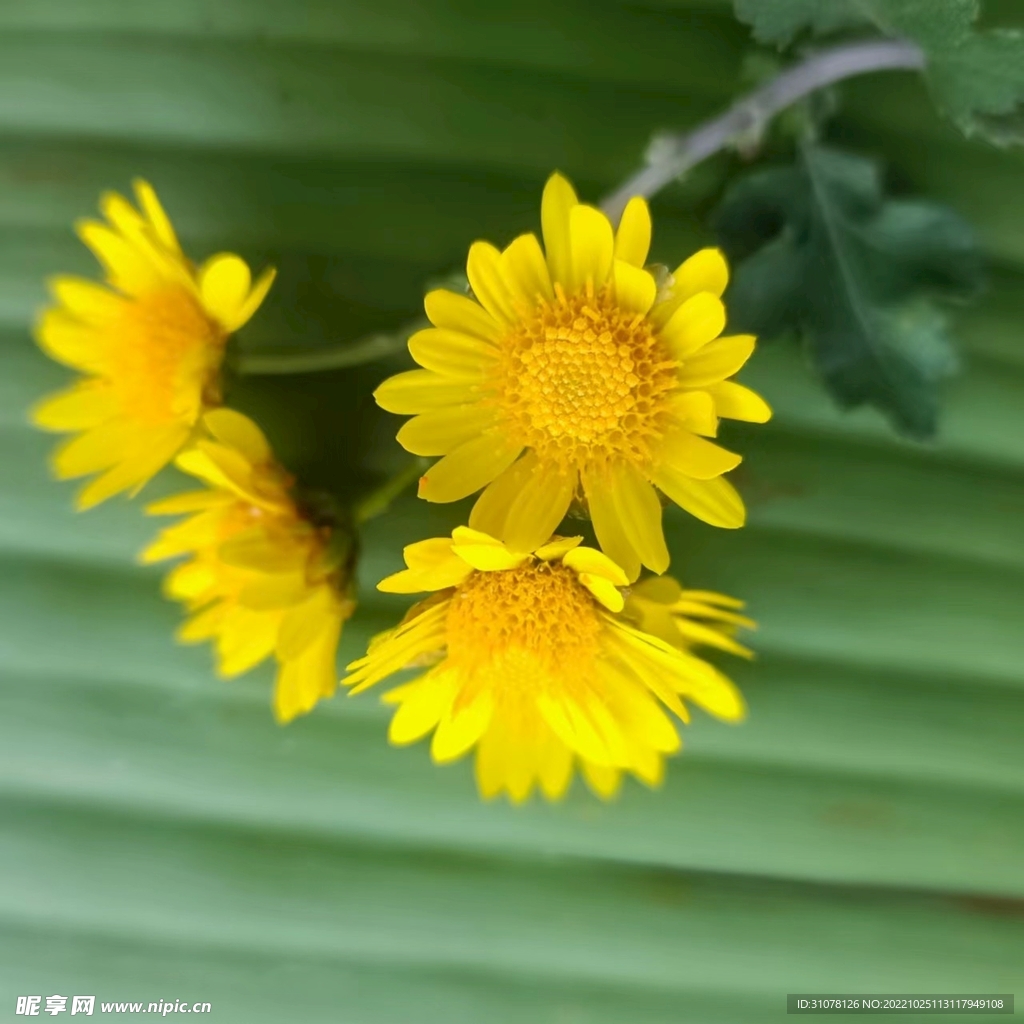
(539, 660)
(151, 345)
(578, 374)
(262, 578)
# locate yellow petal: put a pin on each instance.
(426, 554)
(151, 454)
(78, 408)
(224, 282)
(526, 274)
(605, 591)
(483, 552)
(96, 449)
(154, 211)
(71, 342)
(453, 312)
(555, 769)
(303, 623)
(190, 501)
(735, 402)
(460, 728)
(253, 300)
(452, 353)
(716, 361)
(484, 270)
(538, 507)
(490, 513)
(635, 288)
(468, 468)
(87, 301)
(596, 563)
(611, 535)
(593, 246)
(696, 410)
(257, 551)
(302, 681)
(239, 432)
(714, 501)
(604, 781)
(558, 199)
(244, 639)
(556, 550)
(633, 238)
(417, 391)
(126, 268)
(639, 511)
(697, 321)
(421, 707)
(704, 271)
(437, 433)
(448, 573)
(692, 456)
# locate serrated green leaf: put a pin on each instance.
(976, 77)
(824, 253)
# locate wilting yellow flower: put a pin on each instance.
(262, 577)
(151, 345)
(578, 374)
(538, 660)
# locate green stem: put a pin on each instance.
(379, 501)
(329, 357)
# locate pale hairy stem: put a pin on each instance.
(329, 357)
(747, 118)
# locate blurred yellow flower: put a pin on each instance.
(574, 373)
(262, 578)
(150, 344)
(538, 660)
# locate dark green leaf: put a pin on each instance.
(824, 253)
(976, 77)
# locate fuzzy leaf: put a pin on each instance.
(829, 256)
(976, 77)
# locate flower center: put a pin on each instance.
(583, 381)
(165, 353)
(537, 618)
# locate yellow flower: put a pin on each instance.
(150, 344)
(576, 374)
(262, 578)
(535, 661)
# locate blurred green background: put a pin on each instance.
(160, 837)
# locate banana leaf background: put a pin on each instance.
(161, 837)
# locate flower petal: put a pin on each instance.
(237, 431)
(716, 361)
(452, 353)
(635, 288)
(84, 405)
(700, 319)
(593, 246)
(736, 402)
(437, 433)
(87, 301)
(558, 199)
(686, 453)
(555, 550)
(538, 507)
(420, 706)
(704, 271)
(484, 270)
(611, 535)
(490, 513)
(126, 268)
(461, 727)
(639, 511)
(526, 274)
(417, 391)
(468, 468)
(714, 501)
(454, 312)
(159, 222)
(604, 590)
(70, 341)
(633, 238)
(596, 563)
(695, 410)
